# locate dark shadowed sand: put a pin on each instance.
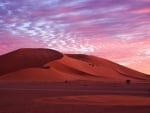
(74, 97)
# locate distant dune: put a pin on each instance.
(50, 65)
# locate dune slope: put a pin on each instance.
(26, 58)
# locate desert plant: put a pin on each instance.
(128, 81)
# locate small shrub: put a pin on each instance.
(128, 81)
(92, 65)
(66, 81)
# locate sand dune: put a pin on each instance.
(50, 65)
(26, 58)
(94, 68)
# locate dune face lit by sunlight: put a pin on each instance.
(116, 30)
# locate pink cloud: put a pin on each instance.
(141, 11)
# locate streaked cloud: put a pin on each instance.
(114, 29)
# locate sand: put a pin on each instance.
(47, 81)
(74, 97)
(50, 65)
(26, 58)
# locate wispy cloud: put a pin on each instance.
(114, 29)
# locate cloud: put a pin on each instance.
(142, 11)
(116, 30)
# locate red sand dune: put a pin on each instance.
(26, 58)
(50, 65)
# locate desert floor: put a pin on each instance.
(74, 97)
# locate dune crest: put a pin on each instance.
(27, 58)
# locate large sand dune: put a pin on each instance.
(26, 58)
(50, 65)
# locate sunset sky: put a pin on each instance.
(118, 30)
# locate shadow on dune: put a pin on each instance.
(26, 58)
